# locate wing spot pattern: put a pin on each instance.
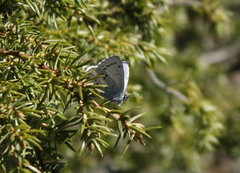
(105, 77)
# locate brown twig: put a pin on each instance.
(186, 3)
(221, 54)
(168, 90)
(14, 53)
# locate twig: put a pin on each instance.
(14, 53)
(221, 54)
(186, 3)
(168, 90)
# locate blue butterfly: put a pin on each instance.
(115, 74)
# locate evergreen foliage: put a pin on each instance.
(45, 109)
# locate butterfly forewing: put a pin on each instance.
(126, 74)
(114, 68)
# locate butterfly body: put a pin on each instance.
(114, 74)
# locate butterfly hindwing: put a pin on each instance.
(110, 90)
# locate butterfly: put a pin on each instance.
(114, 73)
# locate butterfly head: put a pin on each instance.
(119, 100)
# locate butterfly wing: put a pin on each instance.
(126, 74)
(115, 74)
